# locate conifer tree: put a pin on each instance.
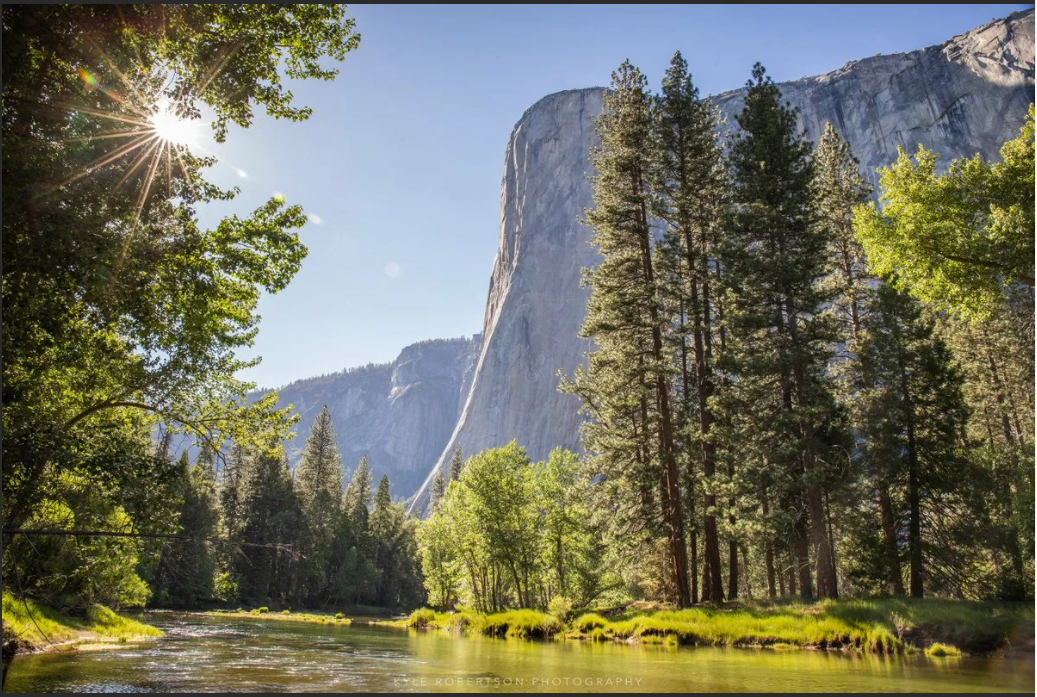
(626, 385)
(438, 489)
(358, 493)
(270, 516)
(456, 464)
(914, 411)
(320, 469)
(186, 566)
(691, 184)
(775, 256)
(319, 486)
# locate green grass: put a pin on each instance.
(946, 627)
(939, 650)
(39, 627)
(525, 624)
(285, 616)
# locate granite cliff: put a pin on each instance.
(399, 414)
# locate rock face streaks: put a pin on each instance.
(966, 96)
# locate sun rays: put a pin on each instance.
(150, 140)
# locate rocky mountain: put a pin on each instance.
(963, 97)
(400, 414)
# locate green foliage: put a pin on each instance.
(961, 239)
(560, 607)
(77, 571)
(318, 483)
(456, 464)
(938, 650)
(120, 312)
(511, 532)
(186, 571)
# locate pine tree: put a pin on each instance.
(456, 464)
(626, 385)
(775, 256)
(915, 410)
(690, 179)
(320, 469)
(358, 493)
(271, 516)
(438, 489)
(186, 567)
(319, 486)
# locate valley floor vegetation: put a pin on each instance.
(937, 627)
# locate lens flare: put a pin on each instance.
(172, 129)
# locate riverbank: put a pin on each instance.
(31, 627)
(263, 613)
(891, 626)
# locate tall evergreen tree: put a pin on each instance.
(456, 464)
(186, 566)
(319, 473)
(626, 385)
(915, 410)
(358, 493)
(691, 182)
(438, 489)
(319, 486)
(271, 516)
(775, 257)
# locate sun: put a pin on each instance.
(172, 129)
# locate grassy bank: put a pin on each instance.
(939, 627)
(37, 627)
(263, 613)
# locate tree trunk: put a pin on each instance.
(768, 554)
(894, 575)
(913, 485)
(712, 587)
(673, 513)
(802, 559)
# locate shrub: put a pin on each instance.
(938, 650)
(422, 618)
(561, 607)
(521, 623)
(587, 622)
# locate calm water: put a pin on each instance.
(202, 653)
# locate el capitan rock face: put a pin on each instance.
(966, 96)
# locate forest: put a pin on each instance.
(800, 387)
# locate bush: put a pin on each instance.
(587, 622)
(938, 650)
(422, 618)
(526, 624)
(561, 607)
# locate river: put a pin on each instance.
(204, 653)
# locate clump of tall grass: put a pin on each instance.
(39, 626)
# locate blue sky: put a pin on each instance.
(401, 162)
